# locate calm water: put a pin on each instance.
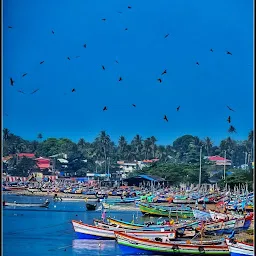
(49, 231)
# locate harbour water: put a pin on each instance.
(48, 231)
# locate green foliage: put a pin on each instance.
(23, 167)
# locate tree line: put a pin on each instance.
(103, 153)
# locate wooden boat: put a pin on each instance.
(135, 245)
(239, 248)
(121, 201)
(120, 207)
(222, 216)
(85, 231)
(201, 215)
(91, 207)
(45, 204)
(157, 211)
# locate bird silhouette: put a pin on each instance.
(165, 118)
(85, 45)
(126, 29)
(68, 58)
(230, 109)
(232, 129)
(52, 32)
(103, 67)
(120, 12)
(178, 108)
(229, 119)
(211, 50)
(229, 53)
(9, 27)
(166, 35)
(120, 79)
(134, 105)
(24, 74)
(73, 90)
(34, 91)
(129, 7)
(105, 108)
(117, 62)
(41, 62)
(20, 91)
(11, 81)
(164, 72)
(103, 19)
(197, 63)
(160, 80)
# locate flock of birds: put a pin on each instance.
(230, 130)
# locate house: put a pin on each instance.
(219, 161)
(43, 163)
(27, 155)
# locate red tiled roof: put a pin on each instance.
(43, 166)
(29, 155)
(217, 158)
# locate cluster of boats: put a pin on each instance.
(173, 237)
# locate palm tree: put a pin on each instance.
(137, 145)
(122, 146)
(153, 146)
(6, 134)
(40, 136)
(146, 147)
(208, 145)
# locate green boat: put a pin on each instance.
(172, 212)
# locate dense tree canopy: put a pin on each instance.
(178, 161)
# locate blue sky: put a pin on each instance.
(194, 27)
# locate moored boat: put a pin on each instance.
(45, 204)
(239, 248)
(134, 245)
(91, 207)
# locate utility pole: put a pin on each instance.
(224, 174)
(245, 160)
(200, 170)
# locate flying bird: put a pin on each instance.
(103, 19)
(68, 58)
(120, 12)
(103, 67)
(134, 105)
(126, 29)
(129, 7)
(85, 45)
(41, 62)
(73, 90)
(178, 108)
(52, 32)
(211, 50)
(20, 91)
(117, 62)
(105, 108)
(232, 129)
(229, 53)
(9, 27)
(164, 72)
(24, 74)
(229, 119)
(197, 63)
(11, 81)
(160, 80)
(230, 109)
(166, 35)
(34, 91)
(165, 118)
(120, 79)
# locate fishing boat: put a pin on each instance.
(120, 207)
(135, 245)
(239, 248)
(15, 204)
(165, 212)
(121, 201)
(91, 207)
(201, 215)
(85, 231)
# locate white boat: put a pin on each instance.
(240, 248)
